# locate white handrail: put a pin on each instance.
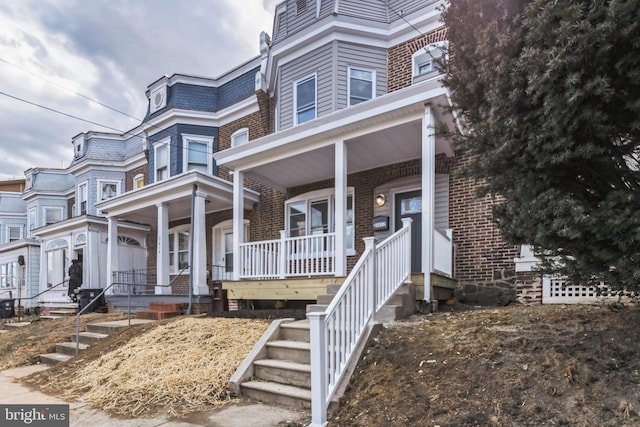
(336, 332)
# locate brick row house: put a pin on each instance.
(270, 176)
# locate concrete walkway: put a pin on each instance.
(82, 415)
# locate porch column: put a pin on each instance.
(428, 196)
(162, 248)
(238, 221)
(44, 265)
(199, 267)
(341, 208)
(112, 249)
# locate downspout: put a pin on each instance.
(191, 239)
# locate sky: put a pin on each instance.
(110, 51)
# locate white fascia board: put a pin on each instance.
(97, 165)
(314, 134)
(168, 190)
(203, 118)
(75, 223)
(44, 193)
(135, 161)
(18, 244)
(12, 215)
(105, 135)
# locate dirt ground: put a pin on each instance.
(511, 366)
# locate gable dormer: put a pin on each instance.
(79, 145)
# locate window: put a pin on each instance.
(138, 181)
(52, 215)
(32, 219)
(198, 153)
(14, 233)
(178, 249)
(361, 83)
(313, 213)
(239, 137)
(108, 189)
(426, 60)
(161, 160)
(82, 198)
(9, 274)
(305, 100)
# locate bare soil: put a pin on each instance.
(510, 366)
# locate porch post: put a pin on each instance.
(341, 208)
(199, 267)
(428, 196)
(112, 249)
(162, 251)
(238, 221)
(44, 265)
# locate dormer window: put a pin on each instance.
(158, 99)
(78, 146)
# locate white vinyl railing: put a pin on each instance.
(337, 331)
(443, 251)
(288, 257)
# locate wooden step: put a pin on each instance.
(69, 348)
(295, 331)
(293, 351)
(280, 394)
(283, 372)
(54, 358)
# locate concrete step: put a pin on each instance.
(389, 313)
(15, 325)
(280, 394)
(110, 327)
(325, 299)
(333, 289)
(91, 337)
(54, 358)
(295, 331)
(69, 348)
(63, 312)
(283, 372)
(293, 351)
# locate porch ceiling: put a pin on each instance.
(377, 133)
(141, 205)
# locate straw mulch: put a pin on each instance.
(180, 367)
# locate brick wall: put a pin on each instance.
(529, 288)
(129, 175)
(399, 64)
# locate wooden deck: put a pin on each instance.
(303, 289)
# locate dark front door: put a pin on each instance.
(409, 205)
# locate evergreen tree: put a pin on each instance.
(550, 93)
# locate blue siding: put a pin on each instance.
(237, 89)
(175, 132)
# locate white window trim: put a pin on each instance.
(138, 177)
(173, 234)
(236, 134)
(324, 194)
(295, 97)
(427, 53)
(46, 208)
(35, 219)
(84, 184)
(373, 83)
(8, 231)
(166, 141)
(185, 150)
(109, 181)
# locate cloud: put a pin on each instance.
(110, 51)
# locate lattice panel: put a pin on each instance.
(555, 291)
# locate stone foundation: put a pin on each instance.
(500, 291)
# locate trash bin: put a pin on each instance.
(219, 302)
(87, 295)
(6, 308)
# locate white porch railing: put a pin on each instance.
(337, 332)
(443, 251)
(288, 257)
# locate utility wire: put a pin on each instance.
(95, 101)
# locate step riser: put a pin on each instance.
(294, 334)
(283, 376)
(88, 339)
(100, 329)
(69, 348)
(278, 399)
(333, 289)
(316, 307)
(325, 299)
(49, 360)
(293, 355)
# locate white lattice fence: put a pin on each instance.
(556, 291)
